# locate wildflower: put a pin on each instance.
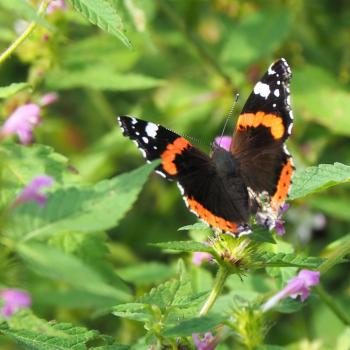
(56, 5)
(299, 285)
(13, 300)
(49, 98)
(22, 122)
(32, 191)
(208, 342)
(199, 257)
(279, 223)
(223, 142)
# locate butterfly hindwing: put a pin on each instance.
(262, 128)
(196, 174)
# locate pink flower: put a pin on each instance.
(56, 5)
(208, 341)
(49, 98)
(223, 142)
(32, 191)
(299, 285)
(199, 257)
(13, 300)
(279, 223)
(22, 122)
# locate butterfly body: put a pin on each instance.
(226, 188)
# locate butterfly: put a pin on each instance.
(226, 188)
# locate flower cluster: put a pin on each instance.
(13, 300)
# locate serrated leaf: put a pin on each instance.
(318, 178)
(134, 311)
(25, 10)
(184, 246)
(268, 259)
(104, 15)
(100, 78)
(8, 91)
(195, 325)
(261, 234)
(41, 335)
(81, 209)
(55, 264)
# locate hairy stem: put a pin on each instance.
(8, 52)
(219, 283)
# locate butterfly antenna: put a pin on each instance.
(228, 117)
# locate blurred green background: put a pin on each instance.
(187, 60)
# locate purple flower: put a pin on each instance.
(279, 223)
(208, 341)
(13, 300)
(49, 98)
(32, 191)
(299, 285)
(199, 257)
(223, 142)
(56, 5)
(22, 122)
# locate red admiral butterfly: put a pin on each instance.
(226, 188)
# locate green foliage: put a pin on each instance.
(104, 15)
(318, 178)
(36, 334)
(91, 252)
(12, 89)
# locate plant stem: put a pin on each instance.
(329, 301)
(202, 52)
(7, 53)
(219, 283)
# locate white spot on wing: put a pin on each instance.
(145, 139)
(136, 133)
(290, 127)
(160, 173)
(271, 71)
(143, 152)
(182, 191)
(277, 92)
(151, 130)
(274, 105)
(291, 115)
(133, 121)
(286, 150)
(262, 89)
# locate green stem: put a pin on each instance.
(219, 283)
(8, 52)
(329, 301)
(202, 52)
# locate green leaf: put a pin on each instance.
(255, 37)
(35, 334)
(318, 178)
(321, 98)
(25, 9)
(196, 226)
(146, 273)
(103, 14)
(195, 325)
(81, 209)
(268, 259)
(100, 78)
(184, 246)
(261, 234)
(8, 91)
(55, 264)
(134, 311)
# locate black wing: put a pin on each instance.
(262, 128)
(203, 190)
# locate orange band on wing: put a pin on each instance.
(169, 155)
(283, 185)
(210, 218)
(274, 122)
